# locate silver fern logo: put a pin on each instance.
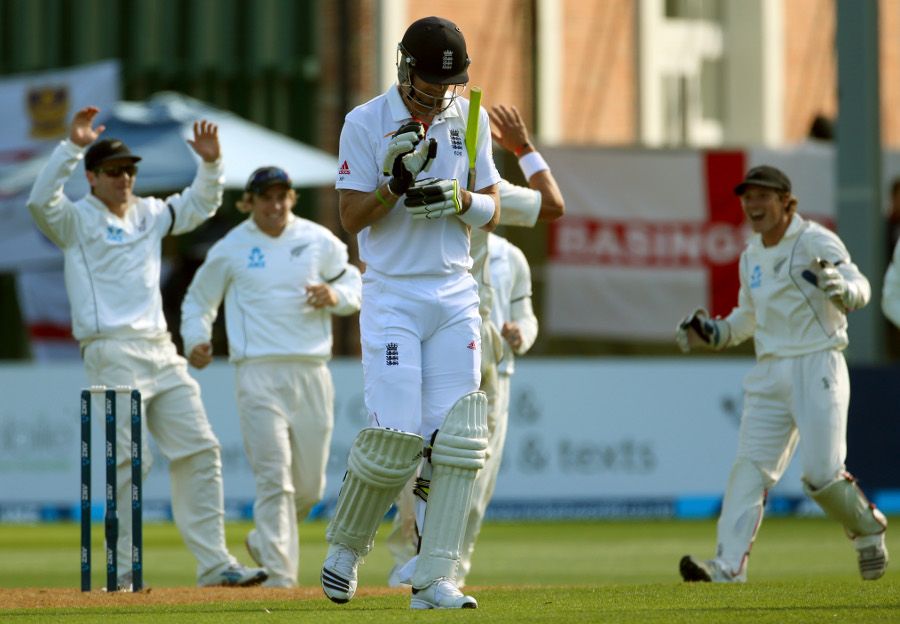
(448, 60)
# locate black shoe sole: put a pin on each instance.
(691, 572)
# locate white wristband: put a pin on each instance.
(480, 211)
(532, 163)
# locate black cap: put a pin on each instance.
(437, 51)
(264, 177)
(766, 176)
(107, 149)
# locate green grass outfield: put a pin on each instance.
(802, 570)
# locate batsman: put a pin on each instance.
(797, 286)
(402, 184)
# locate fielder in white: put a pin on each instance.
(419, 321)
(797, 286)
(111, 244)
(282, 277)
(514, 326)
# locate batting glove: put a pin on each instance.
(404, 160)
(708, 332)
(432, 198)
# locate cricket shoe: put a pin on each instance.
(441, 594)
(233, 575)
(872, 555)
(339, 573)
(709, 571)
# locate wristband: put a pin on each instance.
(381, 198)
(518, 151)
(480, 211)
(533, 163)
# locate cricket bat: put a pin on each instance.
(472, 133)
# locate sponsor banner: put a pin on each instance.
(650, 235)
(601, 434)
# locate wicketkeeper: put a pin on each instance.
(797, 286)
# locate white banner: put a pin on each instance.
(581, 431)
(651, 234)
(37, 107)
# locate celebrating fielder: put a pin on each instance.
(797, 286)
(111, 244)
(282, 277)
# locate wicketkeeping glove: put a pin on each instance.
(712, 332)
(407, 155)
(433, 198)
(825, 276)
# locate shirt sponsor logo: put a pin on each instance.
(756, 277)
(392, 354)
(344, 169)
(114, 234)
(472, 345)
(256, 260)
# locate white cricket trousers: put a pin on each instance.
(287, 416)
(174, 415)
(787, 402)
(421, 348)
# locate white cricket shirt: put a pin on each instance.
(519, 205)
(785, 313)
(112, 265)
(263, 281)
(396, 245)
(511, 278)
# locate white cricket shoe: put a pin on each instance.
(872, 555)
(339, 573)
(709, 571)
(441, 594)
(233, 575)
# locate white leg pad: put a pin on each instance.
(843, 501)
(742, 512)
(381, 461)
(456, 456)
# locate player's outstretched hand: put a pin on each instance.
(507, 127)
(698, 329)
(201, 355)
(81, 133)
(206, 141)
(433, 198)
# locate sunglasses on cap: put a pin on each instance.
(117, 171)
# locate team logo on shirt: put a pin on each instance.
(456, 142)
(256, 260)
(344, 170)
(114, 234)
(778, 264)
(756, 277)
(297, 251)
(392, 354)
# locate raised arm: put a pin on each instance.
(51, 210)
(510, 132)
(203, 197)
